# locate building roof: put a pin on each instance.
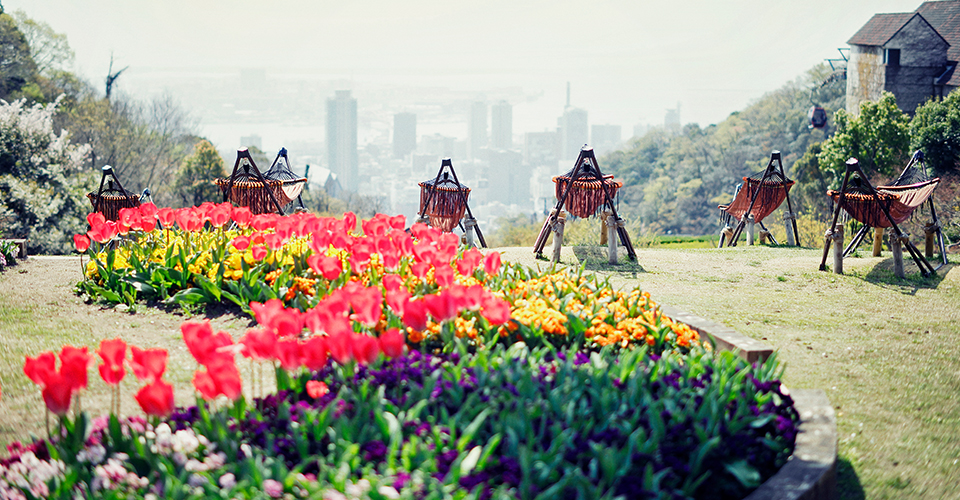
(881, 28)
(944, 16)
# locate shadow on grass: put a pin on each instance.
(595, 259)
(848, 484)
(882, 275)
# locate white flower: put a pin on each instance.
(227, 481)
(389, 492)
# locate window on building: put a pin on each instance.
(891, 57)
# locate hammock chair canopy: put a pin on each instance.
(900, 198)
(110, 198)
(248, 187)
(444, 200)
(586, 194)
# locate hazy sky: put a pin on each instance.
(627, 60)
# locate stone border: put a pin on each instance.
(811, 472)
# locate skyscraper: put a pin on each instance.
(501, 125)
(477, 129)
(404, 134)
(342, 157)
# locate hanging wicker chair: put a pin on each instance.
(109, 199)
(444, 201)
(586, 195)
(901, 198)
(291, 184)
(247, 187)
(772, 192)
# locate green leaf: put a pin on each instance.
(746, 474)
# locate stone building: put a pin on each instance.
(912, 55)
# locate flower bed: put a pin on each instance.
(406, 368)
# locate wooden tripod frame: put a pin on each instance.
(586, 157)
(245, 153)
(769, 171)
(448, 163)
(853, 166)
(862, 232)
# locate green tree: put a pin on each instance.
(194, 183)
(49, 50)
(935, 130)
(42, 179)
(879, 138)
(17, 68)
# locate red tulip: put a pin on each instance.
(397, 300)
(391, 282)
(340, 348)
(317, 389)
(148, 364)
(167, 216)
(148, 211)
(241, 242)
(57, 393)
(82, 242)
(397, 222)
(73, 366)
(222, 378)
(289, 354)
(315, 353)
(392, 343)
(441, 306)
(204, 345)
(112, 352)
(415, 314)
(495, 310)
(420, 269)
(156, 399)
(242, 216)
(274, 241)
(367, 305)
(470, 260)
(491, 263)
(443, 275)
(219, 215)
(365, 348)
(130, 218)
(259, 344)
(95, 219)
(329, 267)
(205, 385)
(41, 368)
(349, 222)
(258, 252)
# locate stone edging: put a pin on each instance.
(811, 472)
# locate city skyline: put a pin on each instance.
(628, 61)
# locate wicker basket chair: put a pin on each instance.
(111, 197)
(248, 187)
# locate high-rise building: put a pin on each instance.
(573, 132)
(541, 148)
(671, 121)
(501, 125)
(342, 157)
(477, 129)
(404, 134)
(605, 138)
